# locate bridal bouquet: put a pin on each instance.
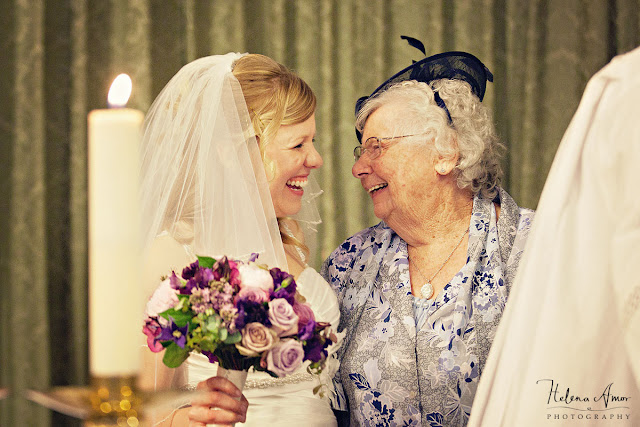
(240, 315)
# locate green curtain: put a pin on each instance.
(60, 56)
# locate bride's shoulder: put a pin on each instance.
(311, 284)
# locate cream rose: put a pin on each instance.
(256, 338)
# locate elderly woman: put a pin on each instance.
(422, 292)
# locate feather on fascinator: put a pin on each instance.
(452, 65)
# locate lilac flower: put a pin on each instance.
(228, 313)
(174, 333)
(190, 271)
(200, 300)
(221, 296)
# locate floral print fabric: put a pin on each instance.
(414, 362)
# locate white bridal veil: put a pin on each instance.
(203, 181)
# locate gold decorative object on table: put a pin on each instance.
(108, 402)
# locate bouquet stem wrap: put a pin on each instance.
(238, 378)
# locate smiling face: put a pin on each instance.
(293, 156)
(402, 179)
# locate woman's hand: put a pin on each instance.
(218, 404)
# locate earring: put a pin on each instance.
(442, 171)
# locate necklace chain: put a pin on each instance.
(427, 287)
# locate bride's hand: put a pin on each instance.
(218, 404)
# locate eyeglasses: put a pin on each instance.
(373, 146)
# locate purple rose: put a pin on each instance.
(285, 357)
(282, 317)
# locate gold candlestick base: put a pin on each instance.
(114, 402)
(109, 402)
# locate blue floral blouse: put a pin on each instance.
(407, 361)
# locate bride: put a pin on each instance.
(227, 151)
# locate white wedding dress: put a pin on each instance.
(285, 401)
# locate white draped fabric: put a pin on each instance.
(567, 351)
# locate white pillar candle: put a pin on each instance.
(115, 313)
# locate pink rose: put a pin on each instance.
(306, 320)
(152, 329)
(252, 276)
(282, 317)
(234, 274)
(285, 357)
(253, 294)
(304, 312)
(256, 338)
(164, 298)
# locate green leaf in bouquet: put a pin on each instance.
(213, 323)
(180, 317)
(222, 334)
(183, 301)
(206, 262)
(208, 345)
(234, 338)
(174, 355)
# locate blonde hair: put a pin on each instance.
(275, 96)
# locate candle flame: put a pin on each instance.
(120, 91)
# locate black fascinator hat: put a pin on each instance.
(447, 65)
